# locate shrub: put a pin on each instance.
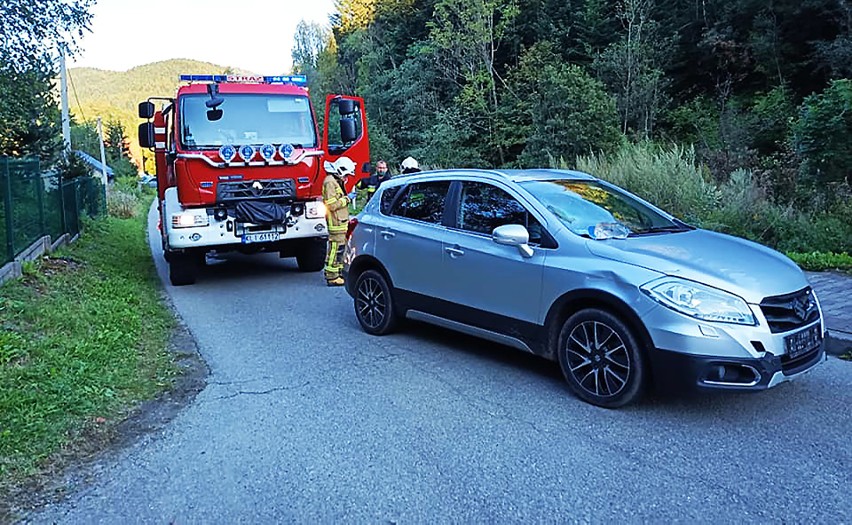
(122, 204)
(821, 135)
(668, 178)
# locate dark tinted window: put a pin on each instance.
(387, 199)
(423, 201)
(485, 207)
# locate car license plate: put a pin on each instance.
(802, 342)
(250, 238)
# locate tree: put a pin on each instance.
(30, 35)
(466, 36)
(33, 30)
(821, 135)
(308, 43)
(554, 111)
(29, 118)
(632, 68)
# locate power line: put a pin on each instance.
(74, 88)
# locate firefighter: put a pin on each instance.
(410, 165)
(337, 216)
(372, 183)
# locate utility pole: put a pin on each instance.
(103, 154)
(63, 92)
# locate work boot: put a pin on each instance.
(336, 282)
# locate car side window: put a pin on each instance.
(387, 199)
(484, 207)
(423, 201)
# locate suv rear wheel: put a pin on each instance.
(374, 305)
(600, 359)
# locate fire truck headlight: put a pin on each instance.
(314, 210)
(189, 220)
(267, 151)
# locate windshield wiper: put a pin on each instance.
(662, 229)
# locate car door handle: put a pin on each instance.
(454, 252)
(388, 235)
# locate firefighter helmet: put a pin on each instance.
(344, 166)
(410, 163)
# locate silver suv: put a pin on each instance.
(579, 271)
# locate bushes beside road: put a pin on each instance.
(815, 230)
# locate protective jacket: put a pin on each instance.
(337, 219)
(336, 204)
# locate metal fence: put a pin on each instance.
(35, 203)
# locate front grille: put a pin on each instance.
(791, 366)
(284, 189)
(791, 311)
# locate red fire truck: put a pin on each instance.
(240, 167)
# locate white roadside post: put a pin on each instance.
(103, 157)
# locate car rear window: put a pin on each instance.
(423, 201)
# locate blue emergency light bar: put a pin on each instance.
(298, 80)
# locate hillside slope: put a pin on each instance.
(114, 95)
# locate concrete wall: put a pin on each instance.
(13, 269)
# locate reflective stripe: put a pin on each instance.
(159, 130)
(341, 228)
(332, 251)
(160, 145)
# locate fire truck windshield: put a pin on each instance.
(247, 119)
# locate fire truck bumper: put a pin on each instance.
(229, 232)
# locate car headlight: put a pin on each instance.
(314, 210)
(699, 301)
(189, 219)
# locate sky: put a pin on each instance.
(255, 35)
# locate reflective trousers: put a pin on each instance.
(334, 257)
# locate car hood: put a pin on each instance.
(742, 267)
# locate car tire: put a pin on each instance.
(601, 359)
(182, 269)
(311, 256)
(374, 304)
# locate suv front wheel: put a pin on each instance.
(601, 359)
(374, 305)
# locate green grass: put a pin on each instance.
(84, 338)
(821, 261)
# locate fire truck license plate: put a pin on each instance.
(249, 238)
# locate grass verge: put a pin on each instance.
(84, 339)
(822, 261)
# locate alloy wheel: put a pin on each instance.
(598, 359)
(371, 302)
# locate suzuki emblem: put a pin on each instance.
(802, 307)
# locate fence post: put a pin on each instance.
(40, 198)
(10, 242)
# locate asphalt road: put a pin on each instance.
(307, 419)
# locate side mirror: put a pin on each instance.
(146, 110)
(146, 135)
(513, 235)
(346, 106)
(348, 131)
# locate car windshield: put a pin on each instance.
(248, 119)
(599, 211)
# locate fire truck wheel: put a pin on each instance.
(311, 256)
(182, 269)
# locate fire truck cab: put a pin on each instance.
(239, 164)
